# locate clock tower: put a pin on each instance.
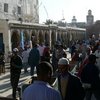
(89, 18)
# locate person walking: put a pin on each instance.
(69, 85)
(57, 53)
(40, 89)
(46, 53)
(41, 47)
(25, 55)
(15, 71)
(90, 78)
(34, 58)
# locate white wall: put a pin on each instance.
(28, 9)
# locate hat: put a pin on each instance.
(63, 61)
(15, 50)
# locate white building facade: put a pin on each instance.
(24, 10)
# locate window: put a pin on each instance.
(5, 7)
(19, 10)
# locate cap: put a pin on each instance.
(63, 61)
(15, 50)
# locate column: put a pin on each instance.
(9, 40)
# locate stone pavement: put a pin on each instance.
(5, 87)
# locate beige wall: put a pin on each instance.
(29, 10)
(4, 29)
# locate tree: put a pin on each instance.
(48, 22)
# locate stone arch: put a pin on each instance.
(41, 37)
(53, 38)
(66, 38)
(33, 33)
(47, 38)
(62, 36)
(15, 39)
(58, 36)
(34, 37)
(26, 36)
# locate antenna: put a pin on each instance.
(63, 18)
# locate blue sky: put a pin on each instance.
(57, 9)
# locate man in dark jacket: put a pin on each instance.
(34, 58)
(15, 70)
(69, 85)
(90, 76)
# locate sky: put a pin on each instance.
(56, 10)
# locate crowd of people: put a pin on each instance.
(78, 78)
